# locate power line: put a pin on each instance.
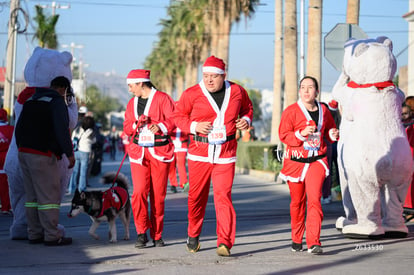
(107, 4)
(155, 34)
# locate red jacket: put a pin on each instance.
(6, 134)
(196, 105)
(159, 110)
(294, 119)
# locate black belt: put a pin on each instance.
(156, 143)
(205, 139)
(308, 160)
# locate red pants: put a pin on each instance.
(409, 200)
(222, 175)
(307, 192)
(4, 193)
(149, 179)
(178, 163)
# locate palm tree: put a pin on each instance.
(189, 35)
(290, 53)
(223, 15)
(352, 12)
(277, 75)
(46, 33)
(314, 56)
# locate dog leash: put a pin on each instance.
(119, 169)
(141, 120)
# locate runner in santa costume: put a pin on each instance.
(303, 127)
(148, 121)
(211, 112)
(180, 141)
(6, 134)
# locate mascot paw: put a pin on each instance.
(356, 231)
(342, 221)
(396, 232)
(18, 232)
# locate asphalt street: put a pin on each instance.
(262, 241)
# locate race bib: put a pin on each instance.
(313, 142)
(146, 138)
(217, 135)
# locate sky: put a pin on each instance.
(117, 35)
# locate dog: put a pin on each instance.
(105, 206)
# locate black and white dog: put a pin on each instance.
(105, 205)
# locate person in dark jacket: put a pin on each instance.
(42, 137)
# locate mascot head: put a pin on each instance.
(369, 61)
(45, 64)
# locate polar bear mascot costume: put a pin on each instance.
(42, 67)
(373, 152)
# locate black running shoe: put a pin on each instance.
(59, 242)
(173, 189)
(315, 249)
(141, 241)
(296, 247)
(159, 243)
(193, 245)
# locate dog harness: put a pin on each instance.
(115, 197)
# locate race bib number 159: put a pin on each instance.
(217, 135)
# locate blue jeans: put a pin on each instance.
(80, 172)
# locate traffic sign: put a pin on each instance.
(335, 40)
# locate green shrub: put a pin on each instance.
(253, 155)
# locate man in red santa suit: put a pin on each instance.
(211, 112)
(303, 127)
(148, 121)
(180, 141)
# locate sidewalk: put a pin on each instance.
(262, 241)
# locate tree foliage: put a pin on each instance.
(101, 105)
(46, 29)
(193, 30)
(255, 96)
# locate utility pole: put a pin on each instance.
(302, 40)
(314, 57)
(55, 6)
(277, 75)
(9, 85)
(72, 47)
(352, 12)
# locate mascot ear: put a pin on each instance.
(66, 58)
(360, 49)
(386, 41)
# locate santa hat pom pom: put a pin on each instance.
(3, 115)
(333, 105)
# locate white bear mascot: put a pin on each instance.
(373, 151)
(42, 67)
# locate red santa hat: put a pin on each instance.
(333, 105)
(3, 115)
(136, 76)
(214, 65)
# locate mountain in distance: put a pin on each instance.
(110, 84)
